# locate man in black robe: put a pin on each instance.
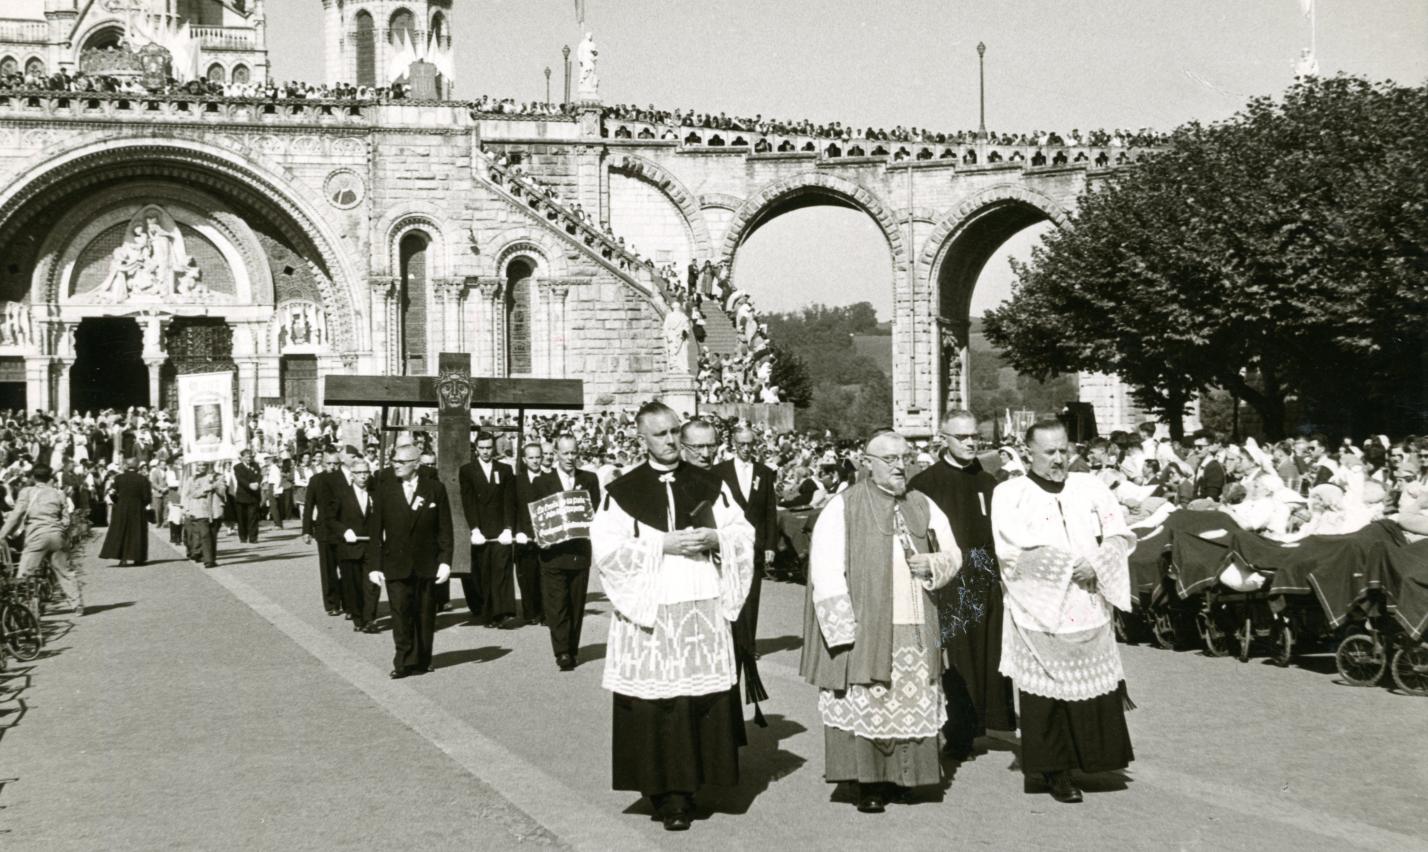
(978, 696)
(128, 537)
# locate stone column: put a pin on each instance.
(556, 338)
(155, 365)
(61, 368)
(37, 383)
(449, 293)
(492, 332)
(247, 384)
(386, 320)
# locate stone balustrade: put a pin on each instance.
(225, 38)
(20, 31)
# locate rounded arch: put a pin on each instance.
(241, 74)
(396, 225)
(674, 189)
(35, 65)
(402, 20)
(965, 239)
(217, 73)
(9, 65)
(364, 54)
(249, 179)
(804, 190)
(522, 249)
(101, 36)
(438, 27)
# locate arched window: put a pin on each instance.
(35, 66)
(414, 251)
(438, 29)
(518, 316)
(216, 74)
(366, 38)
(106, 38)
(9, 65)
(402, 21)
(241, 74)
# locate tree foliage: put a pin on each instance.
(1277, 255)
(835, 387)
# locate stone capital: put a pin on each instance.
(384, 286)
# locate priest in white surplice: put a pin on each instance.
(676, 558)
(1062, 543)
(871, 641)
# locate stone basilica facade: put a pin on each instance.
(343, 236)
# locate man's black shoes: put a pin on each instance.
(871, 799)
(566, 662)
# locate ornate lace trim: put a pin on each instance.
(835, 617)
(689, 650)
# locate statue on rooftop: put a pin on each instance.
(588, 56)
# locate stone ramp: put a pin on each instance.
(174, 717)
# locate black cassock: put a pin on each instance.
(978, 696)
(128, 535)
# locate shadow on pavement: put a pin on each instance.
(590, 653)
(446, 659)
(761, 763)
(91, 610)
(779, 643)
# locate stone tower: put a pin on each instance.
(369, 41)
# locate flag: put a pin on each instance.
(1306, 7)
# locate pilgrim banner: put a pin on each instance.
(562, 517)
(206, 424)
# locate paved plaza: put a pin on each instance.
(223, 709)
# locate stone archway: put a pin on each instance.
(952, 260)
(674, 189)
(272, 194)
(815, 188)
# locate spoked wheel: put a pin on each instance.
(1282, 650)
(1163, 629)
(1361, 660)
(1410, 669)
(1217, 644)
(22, 632)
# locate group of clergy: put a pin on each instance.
(913, 645)
(931, 604)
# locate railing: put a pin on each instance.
(19, 30)
(965, 153)
(225, 38)
(183, 107)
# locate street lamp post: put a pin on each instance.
(565, 52)
(547, 84)
(982, 89)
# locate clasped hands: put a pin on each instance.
(1083, 574)
(691, 542)
(477, 538)
(443, 573)
(921, 565)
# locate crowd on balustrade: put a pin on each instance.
(691, 120)
(79, 82)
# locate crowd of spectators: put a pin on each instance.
(692, 120)
(80, 83)
(1285, 491)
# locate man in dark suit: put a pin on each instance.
(128, 536)
(321, 490)
(249, 496)
(565, 567)
(410, 553)
(347, 517)
(527, 555)
(753, 487)
(1209, 474)
(488, 498)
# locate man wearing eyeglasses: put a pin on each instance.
(979, 697)
(410, 553)
(871, 642)
(699, 443)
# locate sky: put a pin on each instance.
(1050, 64)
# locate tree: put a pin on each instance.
(834, 386)
(790, 375)
(1277, 255)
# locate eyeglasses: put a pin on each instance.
(404, 461)
(894, 461)
(952, 436)
(701, 447)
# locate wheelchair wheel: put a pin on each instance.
(1410, 669)
(1361, 660)
(1163, 629)
(22, 632)
(1282, 644)
(1217, 644)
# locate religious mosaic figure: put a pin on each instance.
(153, 263)
(126, 264)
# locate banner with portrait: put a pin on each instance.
(207, 426)
(561, 517)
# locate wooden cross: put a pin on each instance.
(453, 392)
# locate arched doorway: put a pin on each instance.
(519, 278)
(414, 250)
(109, 370)
(105, 38)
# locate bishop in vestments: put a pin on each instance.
(675, 557)
(871, 634)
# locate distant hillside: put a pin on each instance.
(878, 348)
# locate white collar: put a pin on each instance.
(662, 467)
